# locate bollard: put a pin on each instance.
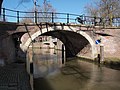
(101, 53)
(27, 63)
(31, 70)
(98, 58)
(63, 54)
(29, 67)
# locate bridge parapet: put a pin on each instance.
(20, 16)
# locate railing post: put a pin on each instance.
(67, 18)
(35, 17)
(52, 17)
(63, 54)
(4, 14)
(95, 23)
(17, 16)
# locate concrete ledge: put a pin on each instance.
(110, 62)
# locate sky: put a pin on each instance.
(61, 6)
(65, 6)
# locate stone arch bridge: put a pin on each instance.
(78, 39)
(75, 37)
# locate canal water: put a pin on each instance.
(76, 74)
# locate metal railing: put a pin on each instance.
(37, 17)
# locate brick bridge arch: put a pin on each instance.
(72, 37)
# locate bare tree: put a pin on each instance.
(20, 2)
(43, 13)
(107, 9)
(91, 10)
(46, 10)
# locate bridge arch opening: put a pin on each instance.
(74, 42)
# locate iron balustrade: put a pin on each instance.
(37, 17)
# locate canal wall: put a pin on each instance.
(7, 46)
(7, 50)
(111, 43)
(110, 40)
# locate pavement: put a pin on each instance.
(14, 77)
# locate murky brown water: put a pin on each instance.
(50, 74)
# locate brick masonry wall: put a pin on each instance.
(111, 43)
(7, 50)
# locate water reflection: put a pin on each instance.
(75, 75)
(46, 62)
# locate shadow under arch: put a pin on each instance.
(16, 40)
(74, 42)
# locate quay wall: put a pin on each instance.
(7, 46)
